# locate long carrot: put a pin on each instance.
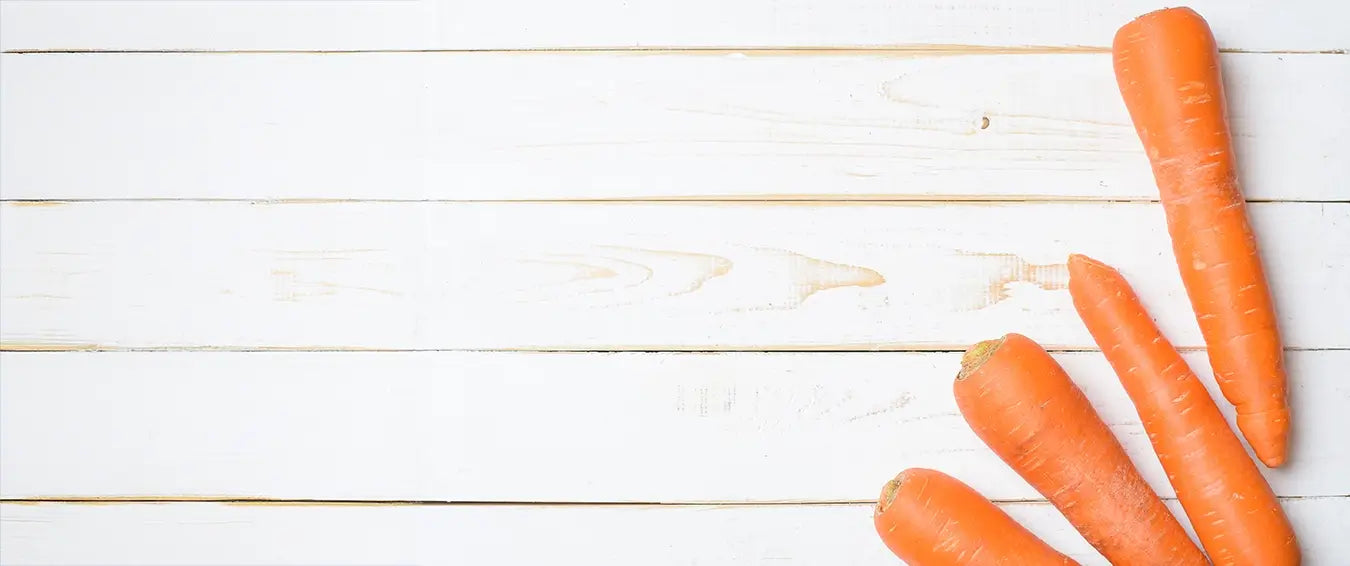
(1233, 510)
(929, 518)
(1167, 67)
(1024, 407)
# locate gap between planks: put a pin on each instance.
(730, 200)
(261, 501)
(912, 50)
(644, 349)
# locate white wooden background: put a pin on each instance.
(601, 281)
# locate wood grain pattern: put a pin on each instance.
(614, 276)
(482, 126)
(193, 533)
(478, 426)
(515, 24)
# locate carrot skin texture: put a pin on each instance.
(1167, 67)
(1233, 510)
(1025, 408)
(929, 518)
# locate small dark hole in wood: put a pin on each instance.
(984, 122)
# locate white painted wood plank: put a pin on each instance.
(218, 24)
(513, 24)
(567, 126)
(480, 426)
(193, 533)
(615, 276)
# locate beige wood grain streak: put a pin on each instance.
(598, 126)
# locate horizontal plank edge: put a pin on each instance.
(919, 49)
(279, 502)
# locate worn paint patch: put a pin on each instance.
(1005, 271)
(896, 404)
(577, 270)
(611, 275)
(702, 267)
(810, 275)
(307, 274)
(288, 287)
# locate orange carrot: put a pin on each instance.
(1167, 67)
(1233, 510)
(929, 518)
(1024, 407)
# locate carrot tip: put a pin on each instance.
(1267, 432)
(977, 355)
(1085, 261)
(1079, 264)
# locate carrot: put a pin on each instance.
(1234, 512)
(1024, 407)
(928, 518)
(1167, 67)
